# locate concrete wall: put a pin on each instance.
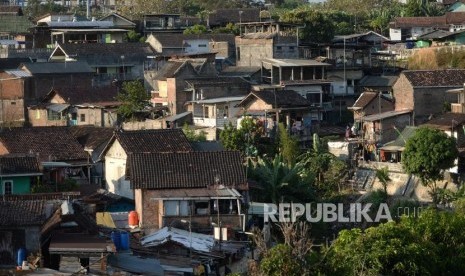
(251, 51)
(115, 171)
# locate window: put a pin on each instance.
(238, 50)
(83, 117)
(176, 207)
(7, 187)
(205, 112)
(74, 116)
(202, 45)
(13, 103)
(291, 48)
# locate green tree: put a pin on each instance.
(133, 98)
(192, 136)
(383, 176)
(281, 182)
(317, 28)
(196, 29)
(288, 145)
(427, 154)
(416, 8)
(327, 169)
(133, 36)
(244, 138)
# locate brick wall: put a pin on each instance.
(150, 216)
(403, 94)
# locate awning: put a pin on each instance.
(177, 116)
(57, 107)
(62, 243)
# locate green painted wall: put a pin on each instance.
(21, 184)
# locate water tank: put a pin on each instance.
(116, 238)
(22, 255)
(124, 241)
(133, 218)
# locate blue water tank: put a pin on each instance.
(22, 255)
(116, 238)
(124, 241)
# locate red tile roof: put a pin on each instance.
(364, 99)
(90, 136)
(49, 143)
(76, 95)
(436, 78)
(25, 213)
(19, 164)
(154, 140)
(224, 16)
(185, 170)
(277, 99)
(456, 18)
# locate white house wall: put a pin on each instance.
(115, 171)
(395, 34)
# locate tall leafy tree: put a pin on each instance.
(427, 154)
(383, 176)
(317, 25)
(288, 145)
(133, 98)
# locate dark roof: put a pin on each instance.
(104, 96)
(154, 140)
(24, 212)
(277, 99)
(185, 170)
(378, 81)
(127, 49)
(16, 10)
(13, 24)
(432, 21)
(49, 143)
(218, 81)
(107, 54)
(364, 99)
(446, 121)
(178, 40)
(19, 164)
(12, 63)
(91, 137)
(58, 67)
(225, 16)
(208, 146)
(436, 78)
(436, 34)
(170, 69)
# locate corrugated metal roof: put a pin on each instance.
(196, 241)
(58, 107)
(384, 115)
(220, 100)
(18, 73)
(294, 62)
(65, 24)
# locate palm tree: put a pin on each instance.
(383, 176)
(280, 180)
